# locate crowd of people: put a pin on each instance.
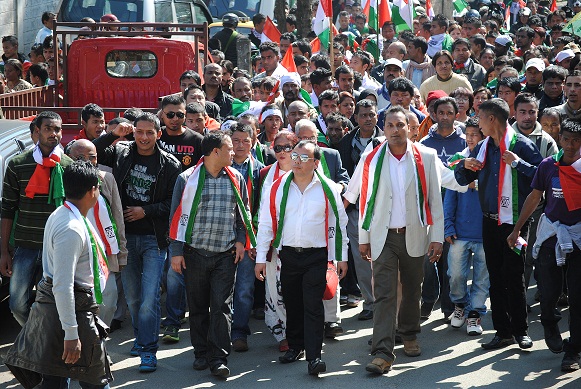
(386, 176)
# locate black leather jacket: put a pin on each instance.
(121, 156)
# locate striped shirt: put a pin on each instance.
(32, 213)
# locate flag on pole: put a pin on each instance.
(288, 62)
(270, 33)
(403, 14)
(553, 6)
(460, 5)
(322, 25)
(316, 46)
(370, 10)
(384, 12)
(430, 9)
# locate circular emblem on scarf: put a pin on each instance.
(186, 160)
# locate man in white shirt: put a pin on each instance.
(396, 231)
(307, 224)
(47, 24)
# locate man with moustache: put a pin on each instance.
(392, 68)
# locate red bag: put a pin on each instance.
(332, 282)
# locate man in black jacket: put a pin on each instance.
(229, 38)
(145, 175)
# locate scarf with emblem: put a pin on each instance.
(44, 180)
(370, 181)
(570, 178)
(183, 219)
(102, 219)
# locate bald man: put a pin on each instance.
(112, 231)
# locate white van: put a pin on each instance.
(158, 11)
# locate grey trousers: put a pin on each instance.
(394, 257)
(362, 267)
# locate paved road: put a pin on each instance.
(450, 359)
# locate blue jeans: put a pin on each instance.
(26, 269)
(243, 298)
(53, 382)
(141, 282)
(436, 285)
(461, 255)
(175, 299)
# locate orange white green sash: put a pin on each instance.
(183, 219)
(371, 176)
(102, 219)
(507, 181)
(570, 178)
(98, 259)
(278, 199)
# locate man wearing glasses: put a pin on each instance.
(307, 225)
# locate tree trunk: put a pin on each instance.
(280, 15)
(304, 17)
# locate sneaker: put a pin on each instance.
(353, 301)
(426, 310)
(458, 318)
(343, 299)
(473, 327)
(171, 334)
(134, 350)
(570, 362)
(148, 363)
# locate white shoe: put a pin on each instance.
(473, 327)
(458, 318)
(353, 301)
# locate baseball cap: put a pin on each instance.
(230, 20)
(393, 61)
(536, 63)
(563, 55)
(524, 12)
(435, 95)
(503, 40)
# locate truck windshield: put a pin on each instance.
(131, 64)
(220, 7)
(125, 10)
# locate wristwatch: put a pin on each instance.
(514, 164)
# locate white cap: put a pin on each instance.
(292, 78)
(393, 61)
(503, 40)
(525, 12)
(563, 55)
(536, 63)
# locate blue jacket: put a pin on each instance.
(445, 147)
(462, 215)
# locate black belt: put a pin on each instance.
(400, 230)
(493, 216)
(302, 249)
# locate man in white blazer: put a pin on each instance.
(405, 222)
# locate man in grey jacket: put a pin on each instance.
(463, 64)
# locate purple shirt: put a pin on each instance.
(547, 180)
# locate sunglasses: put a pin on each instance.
(303, 157)
(171, 115)
(281, 148)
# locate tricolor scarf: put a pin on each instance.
(323, 166)
(570, 178)
(455, 159)
(98, 259)
(183, 220)
(43, 180)
(507, 183)
(279, 195)
(258, 152)
(250, 183)
(102, 219)
(372, 175)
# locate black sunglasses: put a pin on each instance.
(285, 148)
(171, 115)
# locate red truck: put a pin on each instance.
(129, 67)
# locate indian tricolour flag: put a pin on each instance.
(321, 24)
(460, 5)
(403, 14)
(370, 10)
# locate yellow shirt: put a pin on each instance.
(449, 86)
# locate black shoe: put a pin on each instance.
(291, 355)
(570, 362)
(563, 301)
(317, 366)
(220, 370)
(115, 325)
(553, 338)
(524, 341)
(332, 330)
(201, 363)
(366, 314)
(259, 314)
(498, 342)
(426, 310)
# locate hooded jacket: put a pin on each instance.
(445, 147)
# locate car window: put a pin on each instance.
(131, 64)
(183, 12)
(163, 12)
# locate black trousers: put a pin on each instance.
(210, 290)
(303, 280)
(506, 272)
(550, 281)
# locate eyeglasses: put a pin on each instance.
(281, 148)
(171, 115)
(309, 138)
(303, 157)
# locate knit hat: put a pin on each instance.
(435, 95)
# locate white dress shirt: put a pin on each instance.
(397, 171)
(304, 220)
